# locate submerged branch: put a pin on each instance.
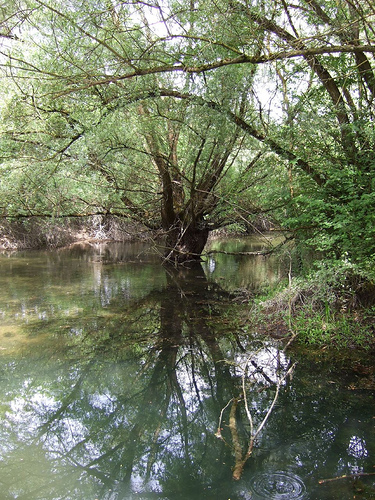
(346, 476)
(240, 456)
(237, 471)
(259, 252)
(254, 253)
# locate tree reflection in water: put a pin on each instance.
(129, 403)
(130, 414)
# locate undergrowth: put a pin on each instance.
(333, 306)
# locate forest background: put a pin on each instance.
(184, 117)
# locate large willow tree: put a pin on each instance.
(169, 112)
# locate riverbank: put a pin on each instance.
(334, 307)
(53, 232)
(39, 233)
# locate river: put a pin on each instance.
(125, 379)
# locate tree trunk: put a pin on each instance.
(185, 243)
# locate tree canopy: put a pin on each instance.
(191, 115)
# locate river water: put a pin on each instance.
(124, 379)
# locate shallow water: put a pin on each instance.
(116, 373)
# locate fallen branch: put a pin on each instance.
(239, 462)
(346, 476)
(242, 457)
(260, 252)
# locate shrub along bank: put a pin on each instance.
(334, 306)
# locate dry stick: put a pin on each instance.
(259, 252)
(218, 433)
(245, 398)
(240, 464)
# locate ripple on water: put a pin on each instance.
(277, 486)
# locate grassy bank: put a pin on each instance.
(332, 307)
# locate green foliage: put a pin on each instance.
(329, 328)
(230, 110)
(340, 221)
(332, 306)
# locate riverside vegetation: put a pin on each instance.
(154, 114)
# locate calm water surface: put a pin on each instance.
(116, 373)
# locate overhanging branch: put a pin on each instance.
(242, 59)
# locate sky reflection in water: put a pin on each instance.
(115, 371)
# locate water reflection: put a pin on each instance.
(230, 265)
(116, 393)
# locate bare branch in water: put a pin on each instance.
(241, 457)
(346, 476)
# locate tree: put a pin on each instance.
(166, 164)
(87, 64)
(156, 155)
